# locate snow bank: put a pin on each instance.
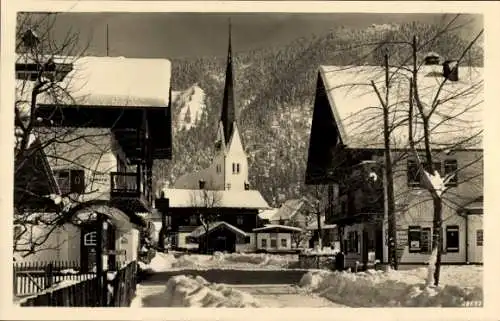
(189, 291)
(397, 288)
(168, 262)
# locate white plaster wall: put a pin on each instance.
(280, 236)
(97, 154)
(236, 154)
(62, 245)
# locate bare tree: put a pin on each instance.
(207, 203)
(44, 75)
(315, 205)
(430, 117)
(300, 237)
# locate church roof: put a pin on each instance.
(228, 114)
(185, 198)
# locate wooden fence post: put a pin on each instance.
(49, 275)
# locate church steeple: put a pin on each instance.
(228, 115)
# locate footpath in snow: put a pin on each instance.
(461, 286)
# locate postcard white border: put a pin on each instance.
(490, 12)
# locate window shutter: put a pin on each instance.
(77, 181)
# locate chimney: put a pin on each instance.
(202, 184)
(450, 70)
(247, 186)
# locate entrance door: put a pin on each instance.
(88, 247)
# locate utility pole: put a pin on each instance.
(389, 186)
(107, 40)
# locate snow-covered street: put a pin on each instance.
(263, 280)
(264, 296)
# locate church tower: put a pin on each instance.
(229, 167)
(229, 144)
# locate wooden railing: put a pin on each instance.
(130, 183)
(113, 289)
(123, 182)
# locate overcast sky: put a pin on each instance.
(171, 35)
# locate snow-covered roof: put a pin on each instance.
(357, 112)
(269, 227)
(200, 230)
(288, 210)
(314, 226)
(112, 81)
(268, 214)
(183, 198)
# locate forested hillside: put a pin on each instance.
(274, 96)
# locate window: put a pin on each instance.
(247, 239)
(237, 168)
(234, 168)
(193, 220)
(228, 186)
(352, 242)
(71, 181)
(413, 172)
(452, 238)
(218, 168)
(419, 239)
(450, 167)
(274, 239)
(263, 243)
(284, 243)
(414, 239)
(90, 239)
(479, 237)
(239, 220)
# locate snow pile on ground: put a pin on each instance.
(168, 262)
(189, 291)
(397, 288)
(254, 259)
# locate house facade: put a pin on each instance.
(221, 191)
(351, 161)
(101, 142)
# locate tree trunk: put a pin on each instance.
(437, 239)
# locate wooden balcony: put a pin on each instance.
(129, 191)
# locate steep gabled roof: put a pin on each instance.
(228, 114)
(288, 209)
(356, 109)
(200, 230)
